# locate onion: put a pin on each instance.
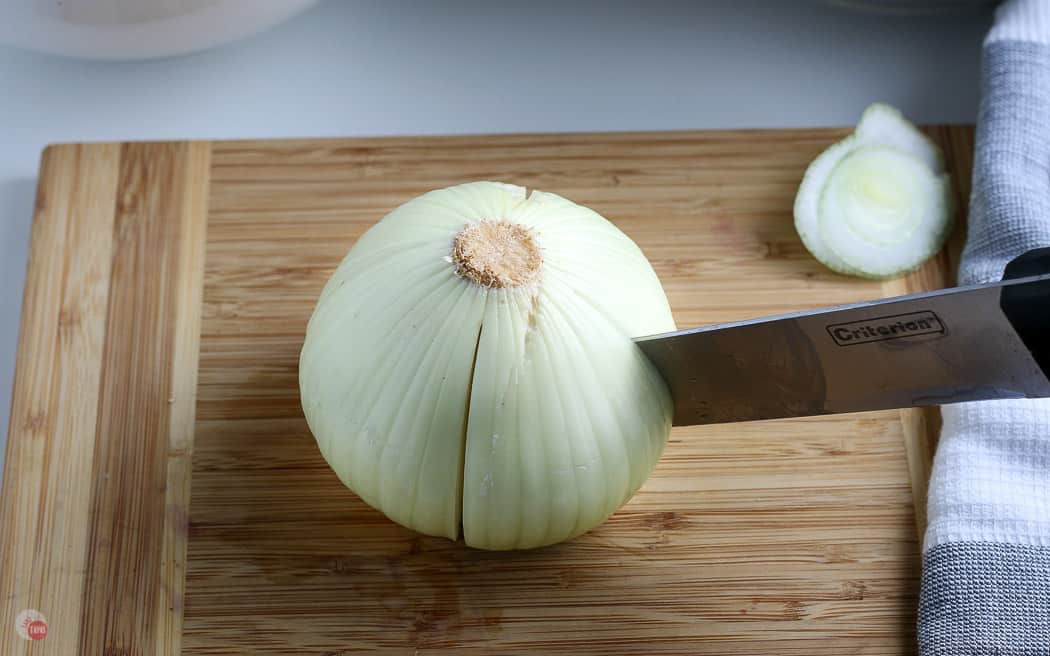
(469, 369)
(878, 203)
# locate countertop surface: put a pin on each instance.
(467, 66)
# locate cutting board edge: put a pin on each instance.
(57, 480)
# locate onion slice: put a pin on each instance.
(878, 203)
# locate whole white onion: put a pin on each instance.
(469, 369)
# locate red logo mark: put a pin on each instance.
(37, 630)
(31, 624)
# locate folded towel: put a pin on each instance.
(986, 566)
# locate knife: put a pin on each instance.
(978, 342)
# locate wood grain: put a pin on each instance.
(49, 461)
(95, 499)
(182, 403)
(790, 537)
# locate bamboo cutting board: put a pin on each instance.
(162, 493)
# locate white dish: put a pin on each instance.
(137, 29)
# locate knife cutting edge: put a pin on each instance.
(978, 342)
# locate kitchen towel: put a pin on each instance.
(986, 562)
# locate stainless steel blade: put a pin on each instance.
(933, 348)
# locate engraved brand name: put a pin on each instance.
(880, 329)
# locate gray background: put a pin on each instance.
(470, 66)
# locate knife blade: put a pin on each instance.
(970, 343)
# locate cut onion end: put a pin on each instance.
(884, 212)
(878, 203)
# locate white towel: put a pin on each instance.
(986, 566)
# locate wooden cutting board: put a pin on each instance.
(163, 495)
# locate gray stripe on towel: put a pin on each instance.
(984, 599)
(1010, 204)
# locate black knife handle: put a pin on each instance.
(1027, 306)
